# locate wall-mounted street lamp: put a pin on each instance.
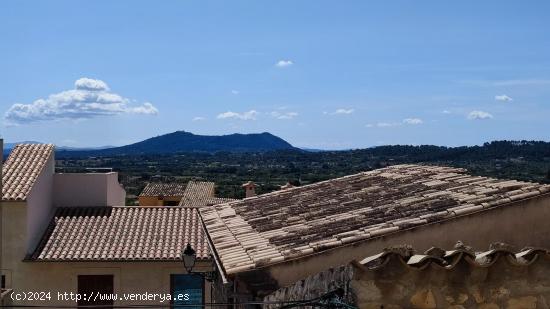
(189, 256)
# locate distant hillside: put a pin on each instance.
(9, 146)
(182, 141)
(522, 160)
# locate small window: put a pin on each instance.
(101, 285)
(3, 284)
(188, 290)
(171, 203)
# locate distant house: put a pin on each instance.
(69, 232)
(193, 194)
(274, 240)
(162, 194)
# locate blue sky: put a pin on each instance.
(320, 74)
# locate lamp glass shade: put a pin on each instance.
(189, 257)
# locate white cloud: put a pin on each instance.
(283, 115)
(344, 111)
(91, 84)
(235, 92)
(446, 112)
(387, 124)
(340, 111)
(383, 124)
(146, 108)
(413, 121)
(284, 63)
(406, 121)
(475, 115)
(199, 119)
(250, 115)
(90, 98)
(503, 98)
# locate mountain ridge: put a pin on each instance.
(183, 141)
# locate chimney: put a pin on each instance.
(288, 185)
(250, 189)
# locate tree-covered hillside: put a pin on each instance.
(523, 160)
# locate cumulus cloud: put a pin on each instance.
(283, 115)
(199, 119)
(479, 115)
(250, 115)
(503, 98)
(146, 108)
(90, 98)
(446, 112)
(413, 121)
(284, 63)
(91, 84)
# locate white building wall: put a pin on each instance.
(39, 205)
(88, 189)
(116, 195)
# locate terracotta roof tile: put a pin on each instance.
(196, 193)
(163, 189)
(122, 233)
(449, 259)
(201, 193)
(22, 168)
(291, 223)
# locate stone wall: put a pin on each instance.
(498, 278)
(316, 286)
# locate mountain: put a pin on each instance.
(181, 141)
(69, 148)
(10, 146)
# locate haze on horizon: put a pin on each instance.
(319, 74)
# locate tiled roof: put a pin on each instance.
(121, 233)
(450, 258)
(197, 192)
(163, 189)
(22, 168)
(209, 201)
(296, 222)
